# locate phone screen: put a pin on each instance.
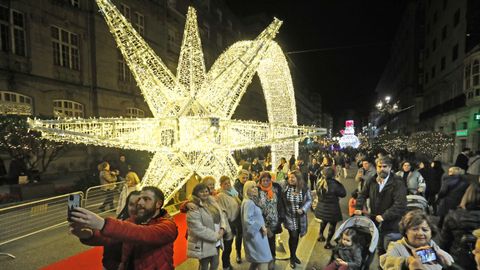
(73, 202)
(427, 255)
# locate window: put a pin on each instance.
(456, 18)
(135, 112)
(67, 108)
(139, 23)
(12, 31)
(434, 44)
(172, 38)
(433, 72)
(453, 126)
(207, 29)
(455, 52)
(65, 48)
(475, 73)
(125, 10)
(464, 125)
(444, 32)
(172, 4)
(124, 74)
(14, 97)
(467, 76)
(75, 3)
(219, 15)
(219, 40)
(442, 63)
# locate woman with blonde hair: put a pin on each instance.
(131, 184)
(329, 191)
(255, 240)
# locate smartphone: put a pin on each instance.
(426, 254)
(73, 202)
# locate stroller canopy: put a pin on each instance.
(360, 221)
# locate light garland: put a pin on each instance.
(192, 130)
(392, 143)
(429, 143)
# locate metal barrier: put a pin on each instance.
(99, 198)
(25, 219)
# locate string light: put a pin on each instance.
(429, 143)
(392, 143)
(192, 130)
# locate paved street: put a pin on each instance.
(51, 246)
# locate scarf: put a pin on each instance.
(232, 192)
(268, 190)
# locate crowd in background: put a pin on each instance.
(415, 205)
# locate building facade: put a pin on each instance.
(432, 70)
(58, 58)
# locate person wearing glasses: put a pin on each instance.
(388, 202)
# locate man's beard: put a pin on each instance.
(383, 174)
(145, 216)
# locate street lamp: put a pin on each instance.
(386, 107)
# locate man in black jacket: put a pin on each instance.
(388, 201)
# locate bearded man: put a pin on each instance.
(147, 238)
(388, 202)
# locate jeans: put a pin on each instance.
(227, 250)
(212, 261)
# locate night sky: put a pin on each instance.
(354, 38)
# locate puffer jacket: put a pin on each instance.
(458, 223)
(328, 206)
(150, 244)
(415, 182)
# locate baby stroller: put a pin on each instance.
(367, 237)
(417, 202)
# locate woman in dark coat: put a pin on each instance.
(434, 182)
(459, 224)
(451, 192)
(329, 190)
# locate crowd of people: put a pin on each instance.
(425, 218)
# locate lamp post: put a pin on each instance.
(384, 106)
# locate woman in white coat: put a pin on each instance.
(206, 226)
(255, 238)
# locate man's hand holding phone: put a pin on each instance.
(87, 218)
(80, 231)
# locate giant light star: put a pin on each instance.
(191, 130)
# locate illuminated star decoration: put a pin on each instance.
(191, 130)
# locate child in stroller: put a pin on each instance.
(366, 238)
(347, 255)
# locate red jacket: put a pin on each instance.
(149, 245)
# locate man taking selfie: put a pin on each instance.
(147, 238)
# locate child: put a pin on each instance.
(347, 255)
(352, 203)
